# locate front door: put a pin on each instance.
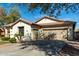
(21, 31)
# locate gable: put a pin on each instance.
(47, 20)
(25, 22)
(20, 23)
(19, 20)
(50, 21)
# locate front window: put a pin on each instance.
(21, 31)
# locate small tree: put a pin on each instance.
(18, 36)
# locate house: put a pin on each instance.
(44, 28)
(1, 32)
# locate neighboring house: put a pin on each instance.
(44, 28)
(1, 32)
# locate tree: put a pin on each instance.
(56, 8)
(8, 19)
(2, 12)
(14, 14)
(2, 16)
(52, 9)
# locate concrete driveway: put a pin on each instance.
(15, 49)
(33, 48)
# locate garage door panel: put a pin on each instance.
(59, 34)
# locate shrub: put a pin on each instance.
(5, 38)
(12, 40)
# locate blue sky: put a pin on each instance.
(36, 15)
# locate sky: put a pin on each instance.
(36, 15)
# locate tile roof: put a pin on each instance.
(51, 18)
(21, 19)
(59, 23)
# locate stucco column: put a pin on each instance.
(70, 33)
(40, 33)
(7, 32)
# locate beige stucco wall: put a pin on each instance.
(27, 29)
(46, 21)
(59, 35)
(6, 32)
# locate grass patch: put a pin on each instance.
(5, 40)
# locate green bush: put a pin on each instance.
(5, 38)
(12, 40)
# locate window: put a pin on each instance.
(21, 31)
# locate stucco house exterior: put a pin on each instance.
(44, 28)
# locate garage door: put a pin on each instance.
(56, 34)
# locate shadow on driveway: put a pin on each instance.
(50, 47)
